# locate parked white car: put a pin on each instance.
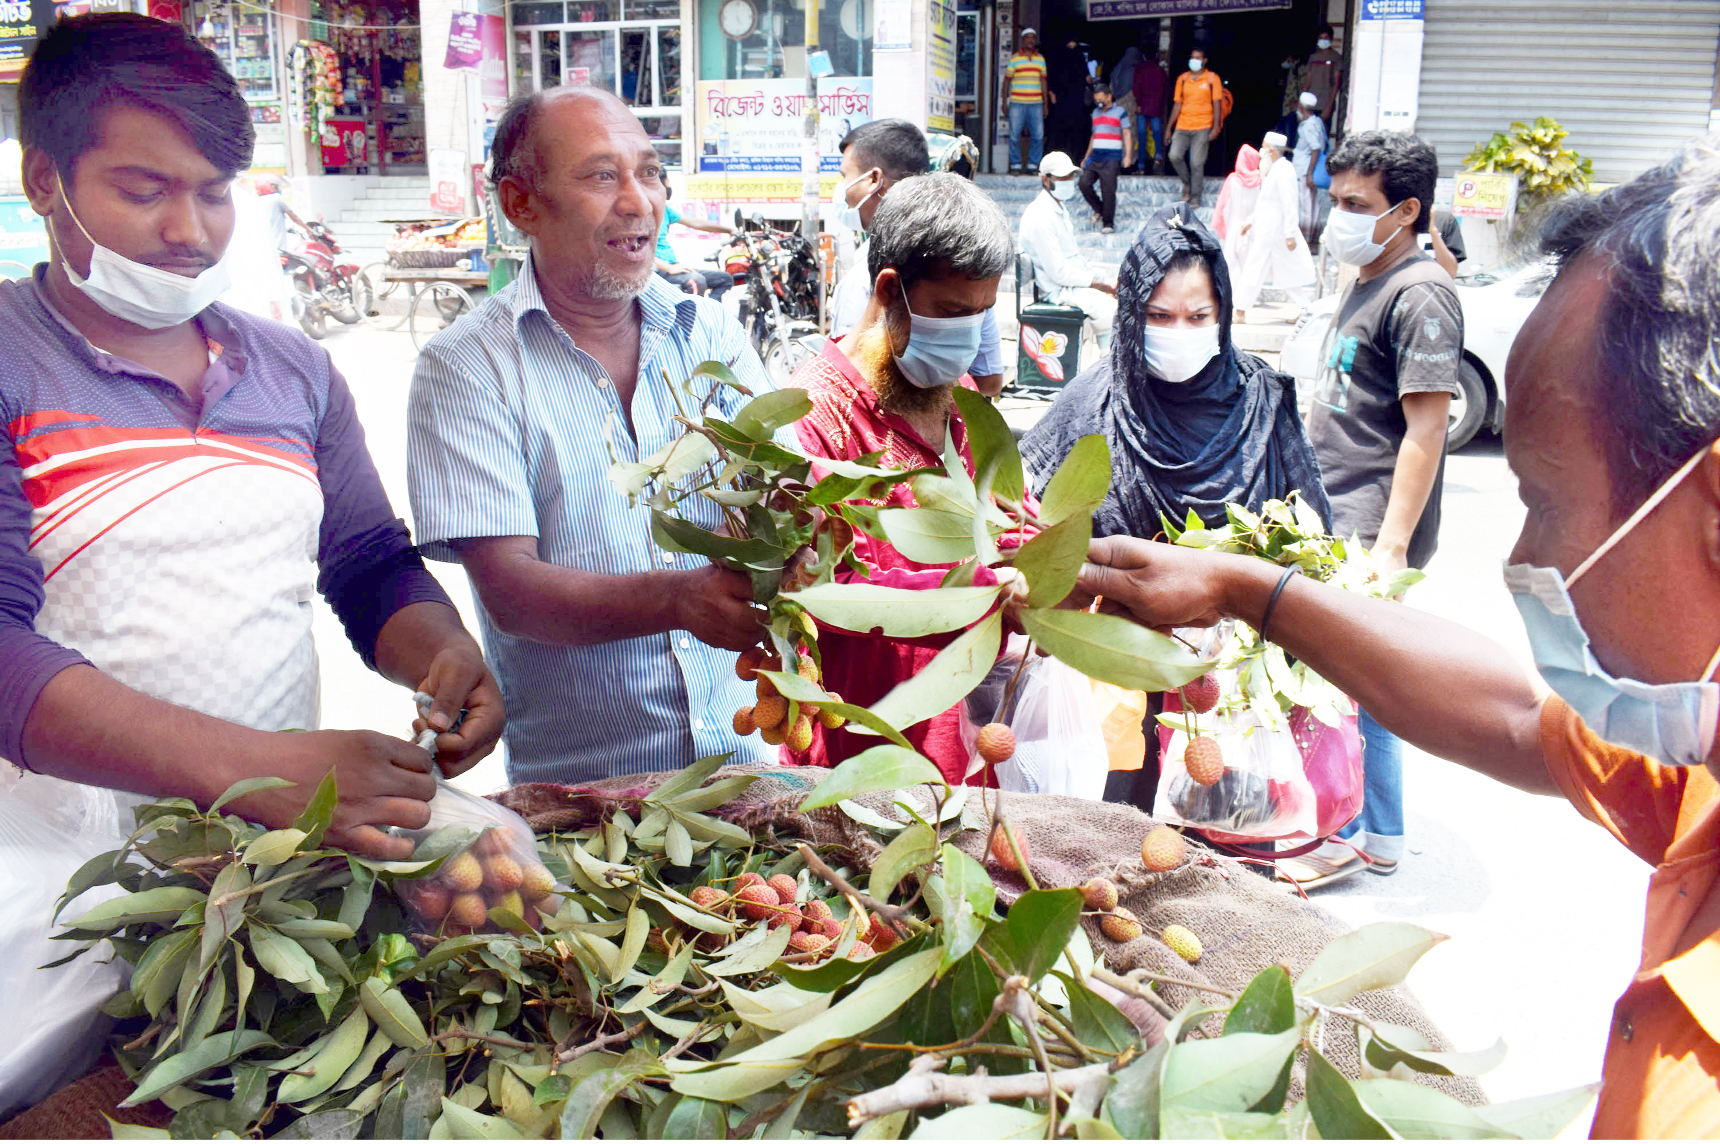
(1495, 303)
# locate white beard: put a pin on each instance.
(605, 285)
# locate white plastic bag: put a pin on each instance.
(1059, 739)
(52, 1017)
(499, 869)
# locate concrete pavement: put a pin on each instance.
(1544, 909)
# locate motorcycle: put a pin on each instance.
(779, 303)
(322, 287)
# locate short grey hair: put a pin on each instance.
(1657, 398)
(939, 225)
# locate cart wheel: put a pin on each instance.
(313, 320)
(389, 305)
(436, 308)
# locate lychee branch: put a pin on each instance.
(923, 1086)
(1132, 984)
(896, 917)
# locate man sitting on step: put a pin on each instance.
(1060, 274)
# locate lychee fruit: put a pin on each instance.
(995, 742)
(785, 915)
(1204, 760)
(758, 902)
(654, 940)
(537, 883)
(749, 878)
(860, 951)
(747, 664)
(1120, 926)
(804, 942)
(1162, 849)
(806, 669)
(773, 736)
(743, 723)
(1003, 855)
(502, 873)
(830, 928)
(787, 889)
(767, 689)
(814, 914)
(492, 841)
(1101, 894)
(511, 902)
(549, 905)
(711, 942)
(708, 897)
(883, 935)
(800, 738)
(830, 719)
(430, 901)
(468, 910)
(770, 712)
(1182, 942)
(772, 662)
(462, 873)
(1201, 695)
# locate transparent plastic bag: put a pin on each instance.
(491, 863)
(55, 1027)
(1059, 740)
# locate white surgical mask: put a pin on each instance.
(1322, 43)
(1350, 237)
(1672, 723)
(849, 216)
(1196, 65)
(939, 350)
(143, 295)
(1176, 355)
(1063, 189)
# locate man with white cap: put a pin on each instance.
(1276, 250)
(1310, 141)
(1048, 238)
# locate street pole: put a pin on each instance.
(809, 145)
(985, 84)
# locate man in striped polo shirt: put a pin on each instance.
(615, 656)
(181, 477)
(1029, 102)
(1111, 149)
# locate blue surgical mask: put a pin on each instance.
(939, 350)
(1673, 723)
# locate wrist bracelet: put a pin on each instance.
(1272, 601)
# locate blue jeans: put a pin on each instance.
(1148, 132)
(1379, 829)
(1032, 117)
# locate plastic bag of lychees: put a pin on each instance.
(494, 875)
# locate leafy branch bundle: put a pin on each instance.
(280, 991)
(793, 538)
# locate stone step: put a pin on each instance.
(372, 210)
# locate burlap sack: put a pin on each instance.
(76, 1111)
(1244, 922)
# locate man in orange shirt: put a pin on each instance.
(1614, 435)
(1197, 116)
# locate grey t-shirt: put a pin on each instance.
(1399, 333)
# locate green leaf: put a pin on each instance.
(1416, 1112)
(469, 1125)
(991, 443)
(970, 899)
(1038, 928)
(902, 613)
(331, 1062)
(552, 1088)
(355, 898)
(319, 812)
(870, 1003)
(1374, 957)
(159, 906)
(1052, 560)
(765, 414)
(159, 970)
(1540, 1117)
(677, 535)
(392, 1013)
(677, 843)
(804, 691)
(1095, 1021)
(404, 1112)
(286, 959)
(273, 848)
(915, 847)
(1114, 649)
(973, 988)
(983, 1121)
(1132, 1105)
(587, 1102)
(1080, 483)
(1390, 1045)
(695, 1118)
(193, 1063)
(247, 786)
(782, 1128)
(1338, 1112)
(733, 1081)
(927, 535)
(885, 767)
(638, 926)
(1180, 1123)
(951, 675)
(123, 1131)
(1231, 1073)
(1268, 1005)
(754, 953)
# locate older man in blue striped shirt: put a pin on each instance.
(613, 656)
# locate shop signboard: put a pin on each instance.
(447, 174)
(753, 127)
(1476, 194)
(465, 42)
(1138, 9)
(941, 91)
(1386, 65)
(22, 22)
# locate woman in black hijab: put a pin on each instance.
(1192, 422)
(1070, 123)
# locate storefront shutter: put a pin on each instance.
(1631, 81)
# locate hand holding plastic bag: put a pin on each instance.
(1059, 740)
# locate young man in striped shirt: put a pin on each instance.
(1029, 102)
(1110, 150)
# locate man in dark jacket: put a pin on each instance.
(1152, 88)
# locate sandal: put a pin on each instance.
(1313, 870)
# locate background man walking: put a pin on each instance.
(1111, 149)
(1197, 116)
